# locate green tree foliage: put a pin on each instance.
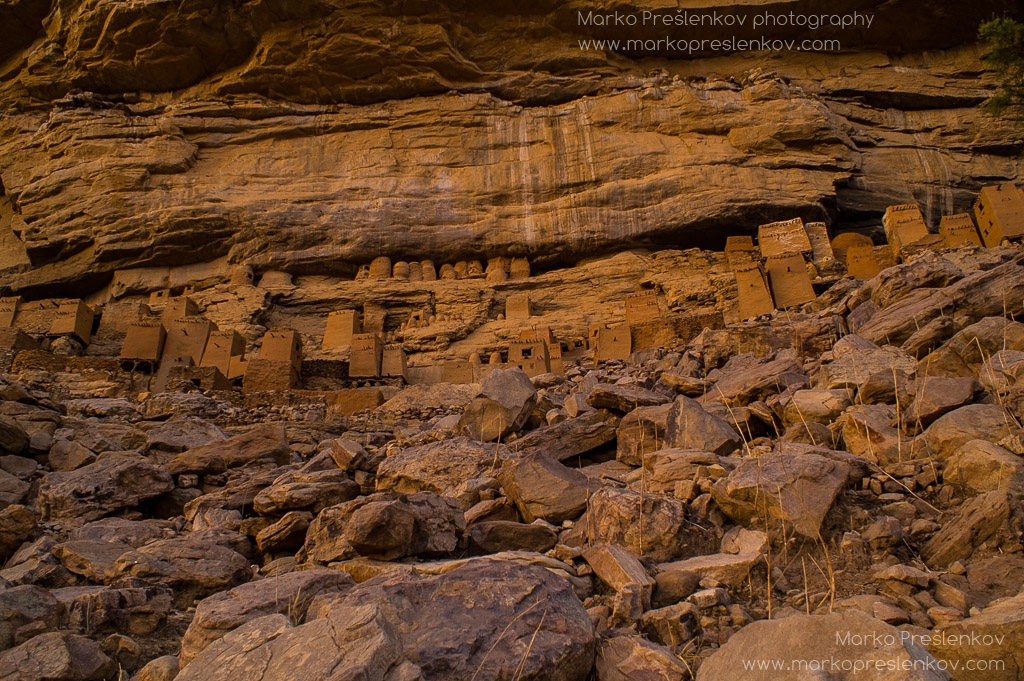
(1005, 38)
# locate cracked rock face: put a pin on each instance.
(311, 139)
(528, 623)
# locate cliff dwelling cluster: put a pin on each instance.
(172, 345)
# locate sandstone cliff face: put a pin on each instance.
(311, 137)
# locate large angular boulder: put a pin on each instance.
(627, 658)
(440, 467)
(191, 567)
(973, 422)
(134, 608)
(306, 490)
(846, 645)
(796, 490)
(934, 396)
(689, 426)
(17, 523)
(623, 398)
(485, 620)
(13, 490)
(756, 380)
(289, 594)
(851, 369)
(968, 349)
(979, 466)
(571, 437)
(641, 432)
(649, 525)
(384, 525)
(975, 521)
(992, 637)
(263, 443)
(505, 400)
(116, 480)
(57, 656)
(541, 487)
(13, 438)
(26, 605)
(494, 536)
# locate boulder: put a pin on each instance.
(982, 294)
(648, 525)
(68, 455)
(842, 646)
(440, 467)
(90, 558)
(541, 487)
(571, 437)
(729, 569)
(934, 396)
(135, 533)
(26, 607)
(181, 434)
(850, 369)
(816, 406)
(17, 523)
(973, 422)
(350, 456)
(992, 637)
(744, 379)
(640, 432)
(13, 438)
(968, 349)
(164, 668)
(670, 466)
(979, 466)
(796, 489)
(115, 481)
(383, 525)
(193, 568)
(527, 623)
(505, 401)
(286, 534)
(57, 656)
(623, 398)
(929, 270)
(289, 594)
(618, 568)
(495, 536)
(134, 607)
(13, 490)
(264, 443)
(868, 432)
(689, 426)
(975, 521)
(306, 490)
(628, 658)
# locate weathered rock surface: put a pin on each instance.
(613, 517)
(440, 467)
(817, 640)
(795, 490)
(288, 595)
(502, 406)
(116, 480)
(264, 443)
(541, 487)
(193, 568)
(431, 627)
(691, 427)
(992, 636)
(975, 521)
(56, 656)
